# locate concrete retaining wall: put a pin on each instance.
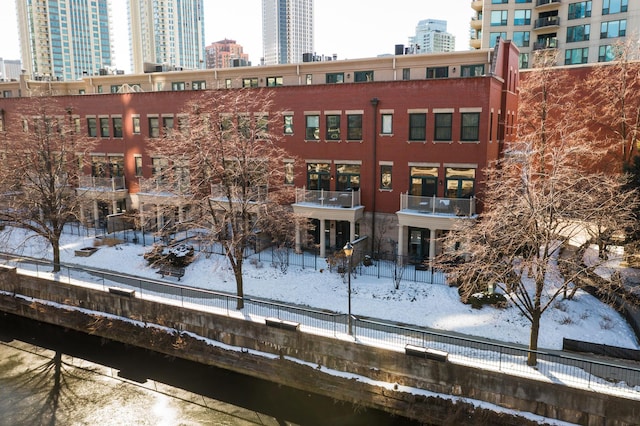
(546, 399)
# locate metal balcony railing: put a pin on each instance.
(438, 205)
(549, 21)
(322, 198)
(102, 183)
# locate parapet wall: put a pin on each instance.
(302, 361)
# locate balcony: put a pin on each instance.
(475, 43)
(101, 183)
(476, 23)
(547, 22)
(438, 205)
(542, 4)
(551, 43)
(328, 205)
(477, 5)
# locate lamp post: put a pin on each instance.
(348, 252)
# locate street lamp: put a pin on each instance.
(348, 252)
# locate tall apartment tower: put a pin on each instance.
(166, 33)
(432, 36)
(581, 31)
(226, 54)
(64, 40)
(287, 30)
(10, 69)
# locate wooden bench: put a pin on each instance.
(171, 271)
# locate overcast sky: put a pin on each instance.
(348, 28)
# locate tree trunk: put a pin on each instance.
(532, 356)
(55, 244)
(237, 272)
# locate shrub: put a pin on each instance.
(478, 300)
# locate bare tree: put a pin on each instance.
(613, 104)
(43, 154)
(542, 196)
(225, 160)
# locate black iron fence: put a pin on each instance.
(560, 368)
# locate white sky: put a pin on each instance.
(348, 28)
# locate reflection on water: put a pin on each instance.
(49, 376)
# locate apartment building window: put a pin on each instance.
(522, 17)
(386, 124)
(606, 53)
(348, 177)
(335, 77)
(460, 182)
(318, 176)
(158, 166)
(198, 85)
(6, 93)
(177, 85)
(98, 166)
(498, 18)
(92, 127)
(288, 124)
(522, 38)
(613, 29)
(288, 173)
(154, 127)
(333, 127)
(499, 1)
(100, 89)
(227, 83)
(580, 10)
(578, 33)
(523, 60)
(360, 76)
(406, 73)
(115, 88)
(117, 127)
(76, 125)
(309, 79)
(470, 126)
(138, 165)
(104, 127)
(274, 81)
(523, 1)
(354, 127)
(418, 127)
(614, 6)
(81, 92)
(116, 166)
(495, 37)
(135, 121)
(576, 56)
(472, 70)
(423, 181)
(250, 82)
(443, 123)
(385, 177)
(437, 72)
(312, 132)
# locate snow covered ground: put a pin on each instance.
(429, 305)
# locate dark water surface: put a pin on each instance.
(49, 376)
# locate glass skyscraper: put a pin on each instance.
(287, 30)
(64, 39)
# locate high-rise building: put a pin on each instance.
(167, 34)
(287, 30)
(432, 36)
(580, 31)
(10, 69)
(64, 40)
(226, 54)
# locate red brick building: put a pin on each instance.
(390, 148)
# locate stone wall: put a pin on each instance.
(267, 352)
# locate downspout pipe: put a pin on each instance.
(374, 183)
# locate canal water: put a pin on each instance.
(51, 376)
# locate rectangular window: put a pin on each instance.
(437, 72)
(227, 83)
(385, 177)
(472, 70)
(154, 127)
(499, 1)
(333, 127)
(498, 18)
(579, 10)
(117, 127)
(495, 37)
(167, 124)
(418, 127)
(606, 53)
(115, 88)
(387, 124)
(309, 78)
(335, 77)
(522, 17)
(250, 82)
(406, 73)
(100, 89)
(578, 33)
(177, 85)
(354, 127)
(138, 161)
(275, 81)
(135, 121)
(614, 6)
(288, 173)
(523, 1)
(523, 60)
(522, 38)
(576, 56)
(312, 127)
(360, 76)
(612, 29)
(460, 182)
(288, 124)
(443, 122)
(92, 127)
(76, 125)
(470, 126)
(198, 85)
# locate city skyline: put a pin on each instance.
(335, 33)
